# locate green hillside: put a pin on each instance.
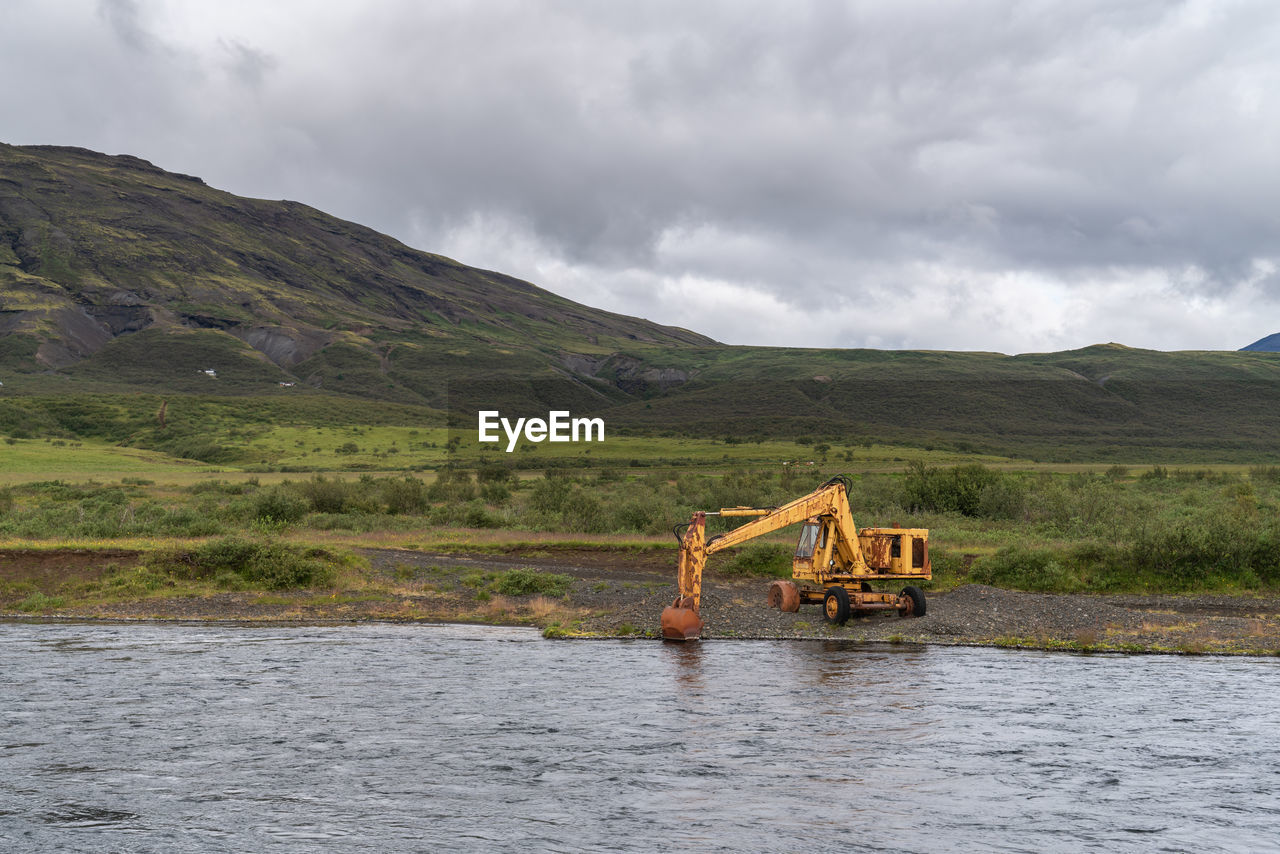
(116, 271)
(1104, 402)
(125, 288)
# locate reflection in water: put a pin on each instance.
(412, 738)
(687, 659)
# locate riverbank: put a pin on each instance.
(618, 593)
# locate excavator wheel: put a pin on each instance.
(911, 602)
(785, 596)
(835, 605)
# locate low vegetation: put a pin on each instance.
(1109, 530)
(236, 563)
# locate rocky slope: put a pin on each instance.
(96, 248)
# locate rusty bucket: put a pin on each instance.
(680, 620)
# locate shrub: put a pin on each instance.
(1003, 498)
(452, 485)
(325, 495)
(527, 582)
(404, 495)
(644, 516)
(1265, 473)
(970, 490)
(549, 495)
(1024, 568)
(495, 473)
(1191, 555)
(198, 448)
(495, 493)
(769, 559)
(134, 581)
(279, 567)
(278, 505)
(478, 517)
(948, 567)
(276, 566)
(583, 512)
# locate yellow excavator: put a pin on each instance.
(835, 564)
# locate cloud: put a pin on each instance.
(990, 175)
(125, 21)
(247, 64)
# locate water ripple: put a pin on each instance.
(410, 738)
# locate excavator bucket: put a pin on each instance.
(680, 620)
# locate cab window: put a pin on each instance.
(808, 540)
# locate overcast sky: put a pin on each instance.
(1012, 176)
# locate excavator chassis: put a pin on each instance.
(855, 600)
(858, 600)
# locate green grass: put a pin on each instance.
(39, 603)
(319, 433)
(198, 570)
(1139, 530)
(24, 459)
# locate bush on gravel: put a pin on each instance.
(239, 563)
(528, 582)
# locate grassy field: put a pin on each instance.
(206, 436)
(105, 471)
(27, 459)
(1114, 529)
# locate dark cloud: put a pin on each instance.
(247, 64)
(991, 175)
(125, 20)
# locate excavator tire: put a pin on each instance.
(785, 596)
(835, 605)
(914, 596)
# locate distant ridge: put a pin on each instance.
(1270, 344)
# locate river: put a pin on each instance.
(391, 738)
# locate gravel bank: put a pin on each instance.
(622, 594)
(625, 597)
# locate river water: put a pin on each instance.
(387, 738)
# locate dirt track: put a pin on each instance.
(623, 593)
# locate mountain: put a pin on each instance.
(122, 285)
(1270, 344)
(115, 269)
